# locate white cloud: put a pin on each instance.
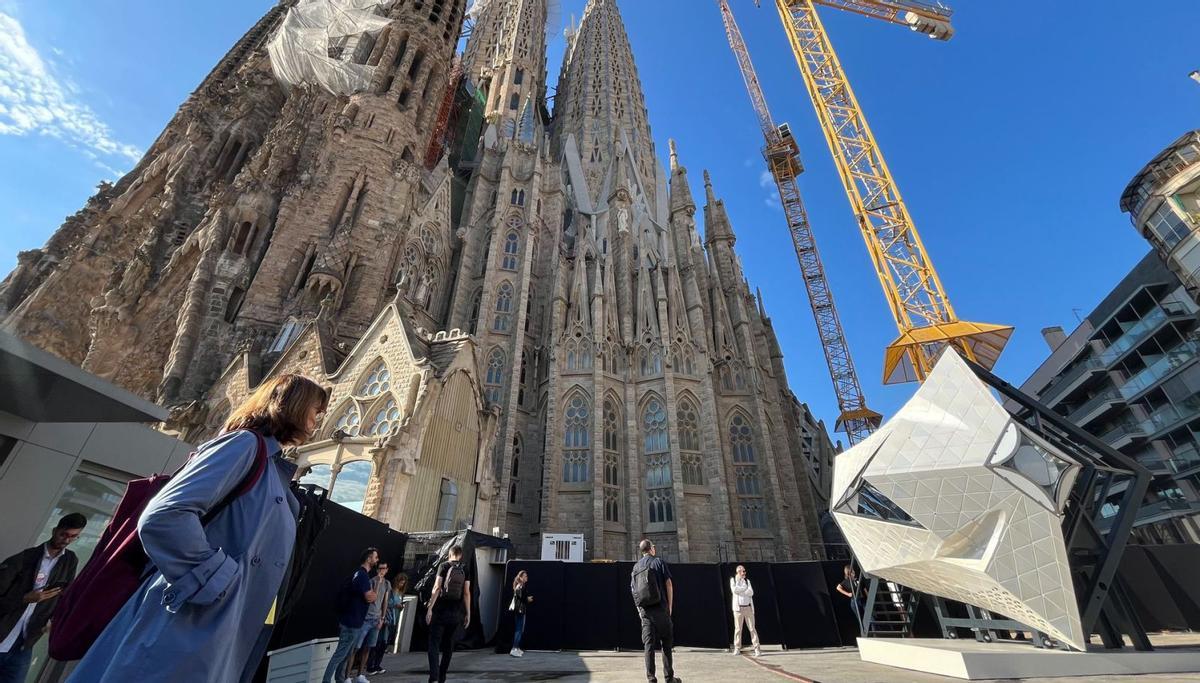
(767, 182)
(34, 101)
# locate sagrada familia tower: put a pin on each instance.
(416, 228)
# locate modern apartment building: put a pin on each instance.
(1130, 374)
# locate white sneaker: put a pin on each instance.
(520, 652)
(757, 652)
(734, 651)
(514, 652)
(361, 679)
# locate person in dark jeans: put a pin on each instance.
(354, 598)
(657, 628)
(520, 604)
(30, 583)
(449, 606)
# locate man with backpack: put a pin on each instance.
(654, 596)
(353, 599)
(30, 583)
(449, 606)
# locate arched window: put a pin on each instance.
(494, 379)
(612, 461)
(349, 421)
(385, 419)
(473, 316)
(487, 252)
(511, 245)
(651, 362)
(516, 467)
(504, 305)
(429, 241)
(689, 443)
(513, 199)
(519, 77)
(521, 380)
(377, 381)
(659, 497)
(576, 440)
(749, 488)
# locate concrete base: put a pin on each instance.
(971, 660)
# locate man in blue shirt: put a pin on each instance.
(654, 596)
(352, 604)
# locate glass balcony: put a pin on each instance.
(1068, 381)
(1091, 408)
(1141, 330)
(1122, 435)
(1156, 371)
(1184, 459)
(1170, 415)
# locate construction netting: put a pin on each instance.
(328, 42)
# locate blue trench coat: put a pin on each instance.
(199, 616)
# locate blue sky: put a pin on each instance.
(1011, 143)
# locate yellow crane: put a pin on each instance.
(924, 317)
(783, 160)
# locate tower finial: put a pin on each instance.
(674, 155)
(708, 189)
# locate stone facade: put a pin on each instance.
(630, 381)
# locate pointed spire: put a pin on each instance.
(612, 326)
(681, 191)
(647, 319)
(716, 221)
(578, 308)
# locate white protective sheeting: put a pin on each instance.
(324, 41)
(953, 497)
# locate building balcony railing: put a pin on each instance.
(1171, 415)
(1069, 380)
(1184, 459)
(1122, 435)
(1159, 369)
(1142, 330)
(1093, 407)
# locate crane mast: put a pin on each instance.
(783, 159)
(923, 314)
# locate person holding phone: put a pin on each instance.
(30, 583)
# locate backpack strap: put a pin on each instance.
(247, 483)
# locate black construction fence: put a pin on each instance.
(588, 606)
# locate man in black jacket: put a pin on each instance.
(30, 583)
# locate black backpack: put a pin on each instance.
(646, 592)
(452, 585)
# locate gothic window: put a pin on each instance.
(410, 268)
(385, 419)
(513, 199)
(749, 487)
(516, 464)
(651, 362)
(377, 381)
(514, 101)
(429, 241)
(689, 443)
(579, 356)
(519, 77)
(521, 381)
(576, 440)
(348, 421)
(528, 309)
(504, 305)
(511, 245)
(494, 379)
(659, 497)
(612, 460)
(473, 317)
(487, 251)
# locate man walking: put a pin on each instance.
(743, 610)
(353, 600)
(373, 622)
(654, 595)
(449, 606)
(30, 583)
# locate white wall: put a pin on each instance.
(39, 466)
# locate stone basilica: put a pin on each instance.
(521, 322)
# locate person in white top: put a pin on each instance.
(743, 611)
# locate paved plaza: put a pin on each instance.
(834, 665)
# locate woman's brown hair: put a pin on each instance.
(279, 408)
(517, 578)
(401, 579)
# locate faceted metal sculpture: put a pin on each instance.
(952, 497)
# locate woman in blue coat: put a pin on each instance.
(199, 616)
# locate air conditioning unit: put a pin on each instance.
(564, 547)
